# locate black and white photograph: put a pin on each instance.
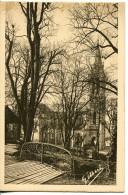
(61, 102)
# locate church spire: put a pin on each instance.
(99, 66)
(98, 52)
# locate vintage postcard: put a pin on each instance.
(62, 96)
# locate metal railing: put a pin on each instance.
(48, 153)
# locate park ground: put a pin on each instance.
(11, 157)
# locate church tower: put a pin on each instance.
(96, 107)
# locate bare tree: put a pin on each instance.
(72, 98)
(111, 114)
(110, 123)
(28, 69)
(96, 20)
(78, 141)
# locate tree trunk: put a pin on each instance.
(67, 138)
(98, 134)
(30, 126)
(114, 145)
(19, 131)
(67, 143)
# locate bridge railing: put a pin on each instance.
(48, 153)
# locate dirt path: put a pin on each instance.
(10, 157)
